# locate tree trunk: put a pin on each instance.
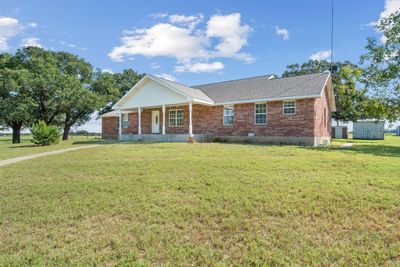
(16, 133)
(337, 122)
(67, 128)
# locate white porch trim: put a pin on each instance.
(190, 120)
(120, 123)
(139, 121)
(163, 119)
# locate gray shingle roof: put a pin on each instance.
(261, 87)
(195, 93)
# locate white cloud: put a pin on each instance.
(186, 21)
(200, 67)
(391, 6)
(33, 25)
(282, 32)
(160, 40)
(232, 34)
(158, 15)
(74, 46)
(9, 28)
(107, 71)
(31, 41)
(155, 65)
(167, 76)
(182, 38)
(321, 55)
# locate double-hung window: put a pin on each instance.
(124, 120)
(175, 118)
(228, 115)
(260, 114)
(289, 107)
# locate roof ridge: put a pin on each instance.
(257, 76)
(171, 81)
(303, 82)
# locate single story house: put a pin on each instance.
(291, 110)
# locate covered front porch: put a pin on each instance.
(158, 110)
(156, 123)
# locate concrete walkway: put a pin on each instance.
(43, 154)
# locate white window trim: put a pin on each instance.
(266, 112)
(283, 107)
(127, 120)
(223, 115)
(176, 118)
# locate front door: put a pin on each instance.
(155, 121)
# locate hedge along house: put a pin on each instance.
(292, 110)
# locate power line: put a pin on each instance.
(332, 37)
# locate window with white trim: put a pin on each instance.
(124, 120)
(175, 118)
(260, 114)
(289, 107)
(228, 115)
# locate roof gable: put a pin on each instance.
(148, 92)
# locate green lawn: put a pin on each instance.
(26, 147)
(204, 204)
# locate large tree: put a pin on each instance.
(382, 68)
(349, 99)
(112, 86)
(78, 101)
(15, 103)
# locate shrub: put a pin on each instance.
(44, 134)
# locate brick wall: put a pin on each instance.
(108, 127)
(307, 122)
(210, 120)
(322, 116)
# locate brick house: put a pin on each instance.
(292, 110)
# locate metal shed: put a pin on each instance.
(373, 130)
(398, 130)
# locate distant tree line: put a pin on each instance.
(57, 88)
(371, 89)
(63, 90)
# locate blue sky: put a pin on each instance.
(194, 42)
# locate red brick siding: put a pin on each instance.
(322, 126)
(307, 121)
(210, 120)
(108, 127)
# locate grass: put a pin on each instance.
(26, 147)
(204, 204)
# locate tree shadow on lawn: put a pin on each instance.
(376, 150)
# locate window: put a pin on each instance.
(176, 118)
(228, 115)
(289, 107)
(260, 114)
(325, 124)
(125, 120)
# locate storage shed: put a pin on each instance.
(339, 132)
(372, 130)
(398, 130)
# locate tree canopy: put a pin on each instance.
(349, 99)
(382, 68)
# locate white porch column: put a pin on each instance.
(163, 119)
(139, 120)
(120, 122)
(190, 120)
